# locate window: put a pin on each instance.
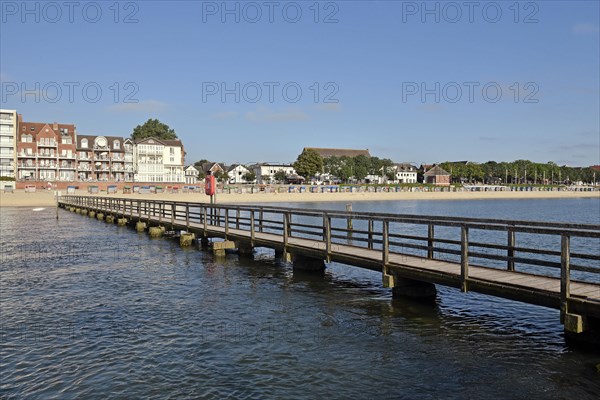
(67, 140)
(117, 144)
(84, 143)
(172, 152)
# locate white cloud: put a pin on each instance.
(263, 114)
(584, 28)
(142, 106)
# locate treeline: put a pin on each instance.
(357, 167)
(310, 164)
(518, 172)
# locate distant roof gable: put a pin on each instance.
(326, 153)
(436, 170)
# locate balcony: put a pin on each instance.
(47, 144)
(67, 156)
(25, 155)
(45, 155)
(67, 166)
(47, 166)
(26, 166)
(142, 153)
(101, 158)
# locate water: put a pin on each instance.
(90, 310)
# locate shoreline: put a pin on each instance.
(47, 198)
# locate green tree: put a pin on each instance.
(308, 163)
(361, 167)
(220, 176)
(249, 176)
(280, 176)
(153, 128)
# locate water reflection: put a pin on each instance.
(122, 315)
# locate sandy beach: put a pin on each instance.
(47, 198)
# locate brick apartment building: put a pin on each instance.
(104, 158)
(46, 152)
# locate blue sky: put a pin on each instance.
(500, 81)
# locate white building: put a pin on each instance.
(159, 160)
(236, 173)
(128, 145)
(8, 134)
(265, 172)
(191, 175)
(405, 173)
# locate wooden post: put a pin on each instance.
(285, 232)
(385, 249)
(370, 237)
(430, 241)
(237, 219)
(226, 222)
(565, 275)
(349, 220)
(161, 208)
(147, 211)
(205, 221)
(510, 264)
(172, 209)
(327, 229)
(252, 228)
(139, 210)
(187, 217)
(464, 257)
(260, 220)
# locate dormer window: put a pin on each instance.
(117, 144)
(84, 143)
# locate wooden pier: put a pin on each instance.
(556, 265)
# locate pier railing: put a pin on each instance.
(567, 251)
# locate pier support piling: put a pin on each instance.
(412, 288)
(122, 221)
(283, 255)
(582, 331)
(140, 226)
(304, 263)
(204, 243)
(92, 214)
(100, 216)
(219, 248)
(110, 219)
(155, 231)
(245, 249)
(186, 239)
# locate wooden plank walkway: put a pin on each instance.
(561, 293)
